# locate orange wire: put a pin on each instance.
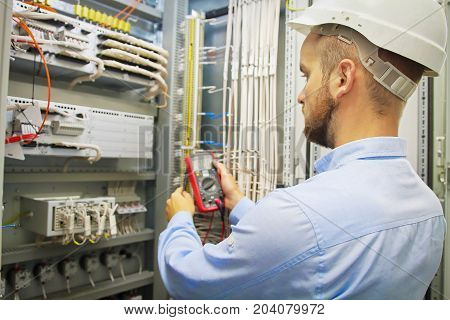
(132, 9)
(126, 8)
(23, 25)
(121, 11)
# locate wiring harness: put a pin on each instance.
(251, 138)
(100, 47)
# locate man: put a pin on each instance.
(366, 226)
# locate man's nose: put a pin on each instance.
(301, 97)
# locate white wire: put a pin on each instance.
(225, 110)
(235, 79)
(65, 44)
(44, 292)
(136, 42)
(68, 285)
(122, 272)
(133, 58)
(253, 37)
(43, 16)
(138, 257)
(91, 280)
(149, 74)
(92, 77)
(136, 50)
(94, 147)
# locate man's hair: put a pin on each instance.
(332, 51)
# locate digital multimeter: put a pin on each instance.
(204, 181)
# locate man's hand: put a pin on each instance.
(229, 186)
(179, 201)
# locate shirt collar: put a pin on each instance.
(366, 148)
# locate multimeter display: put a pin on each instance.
(204, 181)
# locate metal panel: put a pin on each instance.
(440, 287)
(424, 105)
(294, 151)
(48, 174)
(31, 177)
(49, 249)
(105, 288)
(5, 31)
(117, 134)
(174, 14)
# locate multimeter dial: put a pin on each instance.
(209, 184)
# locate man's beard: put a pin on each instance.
(320, 124)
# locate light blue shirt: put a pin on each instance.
(365, 227)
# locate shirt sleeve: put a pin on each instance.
(242, 207)
(266, 237)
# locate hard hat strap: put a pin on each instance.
(383, 72)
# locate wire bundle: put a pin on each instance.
(120, 51)
(140, 57)
(251, 141)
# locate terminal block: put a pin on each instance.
(20, 278)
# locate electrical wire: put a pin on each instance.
(209, 228)
(133, 58)
(91, 280)
(91, 159)
(122, 272)
(43, 16)
(29, 40)
(40, 5)
(91, 77)
(136, 3)
(149, 74)
(251, 139)
(136, 42)
(23, 25)
(123, 11)
(136, 50)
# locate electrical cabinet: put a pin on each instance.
(85, 102)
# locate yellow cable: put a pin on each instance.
(288, 7)
(15, 217)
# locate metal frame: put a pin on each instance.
(440, 167)
(289, 101)
(5, 18)
(174, 14)
(291, 152)
(49, 250)
(105, 288)
(21, 177)
(424, 105)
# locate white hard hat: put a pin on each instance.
(415, 29)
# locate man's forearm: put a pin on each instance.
(242, 207)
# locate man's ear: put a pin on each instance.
(342, 79)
